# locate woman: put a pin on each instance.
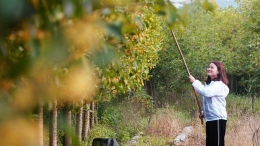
(213, 94)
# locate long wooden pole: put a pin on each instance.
(188, 72)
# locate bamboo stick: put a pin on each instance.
(188, 72)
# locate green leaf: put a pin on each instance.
(171, 15)
(104, 57)
(115, 30)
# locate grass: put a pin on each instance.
(242, 127)
(243, 121)
(241, 130)
(243, 124)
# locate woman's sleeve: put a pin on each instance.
(214, 89)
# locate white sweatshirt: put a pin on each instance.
(213, 99)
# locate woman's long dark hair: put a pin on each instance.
(222, 73)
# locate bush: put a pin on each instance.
(238, 105)
(126, 118)
(100, 131)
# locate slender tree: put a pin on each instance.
(79, 121)
(53, 138)
(41, 128)
(86, 122)
(67, 141)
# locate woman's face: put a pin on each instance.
(212, 71)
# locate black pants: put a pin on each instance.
(215, 133)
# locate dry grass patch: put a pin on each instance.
(241, 131)
(165, 123)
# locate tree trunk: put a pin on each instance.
(232, 83)
(92, 115)
(79, 122)
(150, 89)
(40, 114)
(95, 114)
(253, 103)
(53, 125)
(86, 123)
(67, 126)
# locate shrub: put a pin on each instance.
(100, 131)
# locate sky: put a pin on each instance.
(221, 3)
(226, 3)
